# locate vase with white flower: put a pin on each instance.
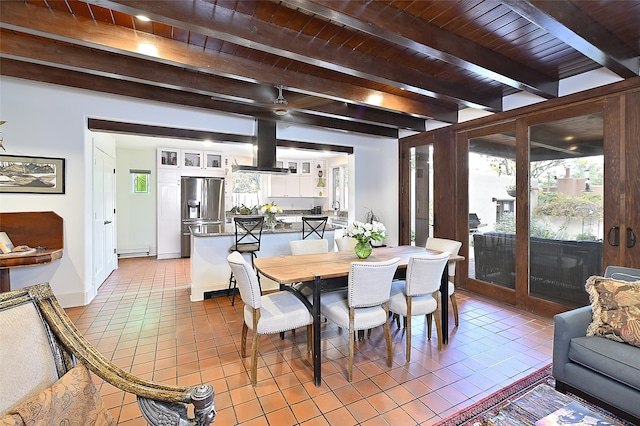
(364, 233)
(270, 210)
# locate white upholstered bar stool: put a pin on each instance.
(364, 305)
(268, 314)
(418, 294)
(453, 247)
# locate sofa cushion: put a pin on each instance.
(69, 401)
(616, 309)
(618, 361)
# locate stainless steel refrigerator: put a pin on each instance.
(202, 203)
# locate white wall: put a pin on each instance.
(136, 213)
(51, 121)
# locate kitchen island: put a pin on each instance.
(210, 248)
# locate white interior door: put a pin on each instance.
(104, 256)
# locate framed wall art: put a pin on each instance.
(34, 175)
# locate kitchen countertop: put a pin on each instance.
(229, 229)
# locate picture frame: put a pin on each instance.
(32, 175)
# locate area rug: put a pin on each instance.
(509, 406)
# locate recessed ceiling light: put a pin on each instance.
(143, 18)
(375, 99)
(148, 49)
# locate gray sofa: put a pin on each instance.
(598, 369)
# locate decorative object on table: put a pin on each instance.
(244, 209)
(270, 210)
(36, 175)
(365, 233)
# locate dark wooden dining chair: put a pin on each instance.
(248, 234)
(313, 225)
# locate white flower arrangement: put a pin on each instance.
(270, 209)
(364, 232)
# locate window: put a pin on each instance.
(340, 188)
(140, 181)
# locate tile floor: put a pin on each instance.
(143, 321)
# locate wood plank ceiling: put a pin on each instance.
(365, 66)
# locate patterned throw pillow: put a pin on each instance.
(616, 309)
(72, 400)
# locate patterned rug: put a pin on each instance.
(515, 405)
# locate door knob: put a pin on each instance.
(106, 222)
(631, 238)
(615, 230)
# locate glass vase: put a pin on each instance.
(271, 221)
(363, 249)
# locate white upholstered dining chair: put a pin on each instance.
(364, 305)
(418, 294)
(309, 246)
(268, 314)
(453, 247)
(346, 243)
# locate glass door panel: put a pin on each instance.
(566, 208)
(421, 194)
(492, 224)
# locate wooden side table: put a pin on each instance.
(40, 230)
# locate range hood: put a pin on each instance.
(264, 158)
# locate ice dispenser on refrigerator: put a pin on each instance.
(202, 203)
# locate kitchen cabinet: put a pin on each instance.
(284, 186)
(308, 180)
(202, 163)
(168, 158)
(168, 214)
(305, 168)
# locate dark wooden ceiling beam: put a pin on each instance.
(229, 25)
(431, 40)
(65, 56)
(46, 74)
(60, 26)
(566, 22)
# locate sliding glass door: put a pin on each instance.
(566, 209)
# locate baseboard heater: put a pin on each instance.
(135, 251)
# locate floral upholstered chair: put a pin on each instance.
(44, 372)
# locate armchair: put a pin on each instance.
(40, 345)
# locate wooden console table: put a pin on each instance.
(34, 229)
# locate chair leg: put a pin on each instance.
(397, 318)
(309, 339)
(437, 314)
(407, 326)
(232, 289)
(254, 347)
(352, 343)
(254, 358)
(387, 336)
(454, 305)
(429, 323)
(293, 336)
(243, 347)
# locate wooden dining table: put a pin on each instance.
(329, 271)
